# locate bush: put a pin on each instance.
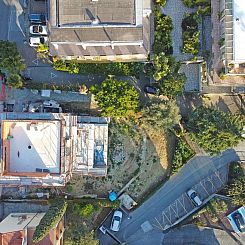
(14, 81)
(87, 210)
(162, 34)
(190, 35)
(50, 219)
(115, 68)
(161, 3)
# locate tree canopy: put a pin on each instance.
(215, 130)
(161, 114)
(14, 80)
(87, 239)
(116, 98)
(10, 59)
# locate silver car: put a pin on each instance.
(194, 197)
(116, 221)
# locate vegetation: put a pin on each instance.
(215, 130)
(71, 67)
(14, 80)
(42, 48)
(173, 85)
(161, 114)
(162, 35)
(236, 184)
(115, 68)
(116, 98)
(88, 239)
(84, 211)
(11, 64)
(190, 35)
(204, 6)
(183, 153)
(50, 219)
(161, 3)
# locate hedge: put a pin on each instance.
(50, 219)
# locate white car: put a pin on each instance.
(38, 30)
(194, 197)
(116, 221)
(36, 41)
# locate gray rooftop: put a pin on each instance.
(105, 11)
(94, 34)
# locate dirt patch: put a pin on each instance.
(133, 153)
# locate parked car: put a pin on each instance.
(194, 197)
(116, 221)
(37, 18)
(239, 221)
(151, 90)
(38, 30)
(36, 41)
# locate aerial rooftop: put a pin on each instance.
(103, 11)
(32, 146)
(239, 30)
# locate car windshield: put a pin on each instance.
(193, 195)
(35, 29)
(42, 40)
(117, 218)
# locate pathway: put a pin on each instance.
(177, 11)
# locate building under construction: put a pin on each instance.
(44, 149)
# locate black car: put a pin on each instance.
(239, 221)
(151, 90)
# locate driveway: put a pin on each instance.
(149, 219)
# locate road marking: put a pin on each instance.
(10, 22)
(52, 75)
(35, 61)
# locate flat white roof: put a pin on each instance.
(34, 144)
(239, 30)
(19, 221)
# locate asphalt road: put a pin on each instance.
(145, 222)
(5, 12)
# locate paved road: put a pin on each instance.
(190, 235)
(197, 169)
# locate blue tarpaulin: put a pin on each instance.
(112, 196)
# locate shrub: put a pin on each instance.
(87, 210)
(162, 34)
(161, 3)
(50, 219)
(14, 81)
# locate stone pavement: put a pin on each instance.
(177, 11)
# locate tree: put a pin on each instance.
(14, 81)
(10, 59)
(236, 191)
(215, 130)
(173, 85)
(49, 220)
(116, 98)
(161, 114)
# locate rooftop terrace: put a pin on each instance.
(32, 146)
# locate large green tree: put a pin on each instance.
(116, 98)
(10, 59)
(215, 130)
(161, 114)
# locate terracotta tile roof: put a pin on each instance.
(12, 238)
